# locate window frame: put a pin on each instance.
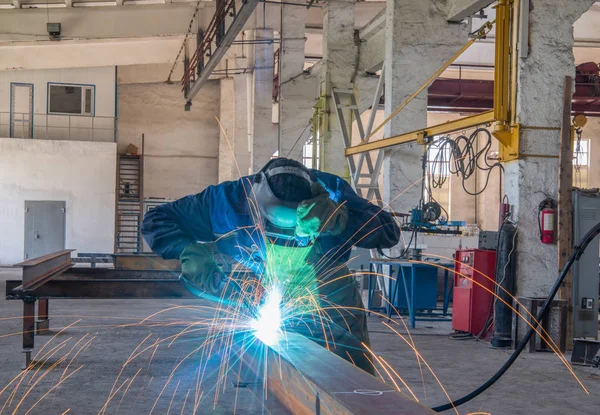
(432, 165)
(587, 142)
(83, 87)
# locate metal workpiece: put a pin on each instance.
(102, 289)
(306, 378)
(145, 262)
(35, 272)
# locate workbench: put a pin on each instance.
(413, 290)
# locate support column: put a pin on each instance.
(227, 113)
(339, 64)
(241, 131)
(530, 180)
(418, 41)
(297, 91)
(263, 133)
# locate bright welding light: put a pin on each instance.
(267, 326)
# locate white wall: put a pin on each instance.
(102, 78)
(80, 173)
(181, 147)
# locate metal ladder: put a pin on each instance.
(129, 204)
(365, 184)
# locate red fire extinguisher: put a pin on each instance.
(546, 221)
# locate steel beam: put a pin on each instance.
(308, 379)
(37, 271)
(234, 29)
(445, 128)
(145, 262)
(101, 289)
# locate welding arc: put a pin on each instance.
(578, 250)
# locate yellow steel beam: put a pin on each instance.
(418, 135)
(501, 72)
(506, 133)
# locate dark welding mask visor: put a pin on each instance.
(280, 213)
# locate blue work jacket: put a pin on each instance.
(224, 213)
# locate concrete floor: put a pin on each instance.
(536, 384)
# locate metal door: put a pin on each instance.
(44, 227)
(21, 110)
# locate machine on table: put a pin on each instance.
(428, 219)
(414, 288)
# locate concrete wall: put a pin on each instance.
(181, 147)
(80, 173)
(102, 78)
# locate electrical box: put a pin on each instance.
(586, 214)
(488, 240)
(474, 275)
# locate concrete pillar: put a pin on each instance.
(339, 63)
(418, 42)
(528, 181)
(263, 133)
(296, 98)
(226, 169)
(240, 129)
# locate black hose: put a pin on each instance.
(578, 250)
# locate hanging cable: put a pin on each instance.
(460, 157)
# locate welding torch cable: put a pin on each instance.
(578, 251)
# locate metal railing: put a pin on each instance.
(57, 127)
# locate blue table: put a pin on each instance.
(414, 288)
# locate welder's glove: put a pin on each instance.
(320, 215)
(199, 271)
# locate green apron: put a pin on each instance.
(321, 301)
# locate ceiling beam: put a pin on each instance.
(105, 22)
(461, 9)
(84, 54)
(234, 29)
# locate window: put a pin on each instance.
(71, 99)
(309, 155)
(439, 159)
(581, 153)
(581, 161)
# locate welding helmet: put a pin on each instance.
(278, 215)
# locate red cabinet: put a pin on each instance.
(473, 287)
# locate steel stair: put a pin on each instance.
(129, 204)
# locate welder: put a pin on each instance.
(294, 205)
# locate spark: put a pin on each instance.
(267, 325)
